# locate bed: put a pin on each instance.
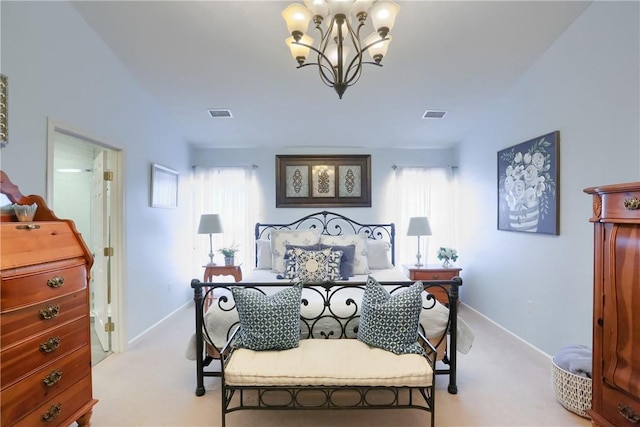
(323, 238)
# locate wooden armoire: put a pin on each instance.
(45, 348)
(616, 305)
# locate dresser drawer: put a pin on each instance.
(51, 241)
(613, 205)
(615, 403)
(22, 323)
(443, 274)
(18, 361)
(57, 410)
(27, 395)
(23, 287)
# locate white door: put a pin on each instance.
(100, 285)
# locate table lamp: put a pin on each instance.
(419, 226)
(210, 224)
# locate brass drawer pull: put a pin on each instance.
(50, 312)
(56, 282)
(50, 345)
(436, 276)
(632, 204)
(52, 378)
(628, 413)
(53, 412)
(27, 227)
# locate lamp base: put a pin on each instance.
(418, 264)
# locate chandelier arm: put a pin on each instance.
(358, 70)
(326, 80)
(354, 70)
(320, 63)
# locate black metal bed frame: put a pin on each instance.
(333, 224)
(341, 327)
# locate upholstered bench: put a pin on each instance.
(319, 362)
(382, 362)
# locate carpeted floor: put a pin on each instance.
(501, 382)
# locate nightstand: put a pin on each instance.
(222, 270)
(433, 272)
(219, 270)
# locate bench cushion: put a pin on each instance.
(332, 362)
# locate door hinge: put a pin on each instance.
(108, 175)
(109, 327)
(108, 251)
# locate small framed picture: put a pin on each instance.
(164, 187)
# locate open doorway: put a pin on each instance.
(84, 186)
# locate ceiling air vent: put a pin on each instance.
(220, 114)
(431, 114)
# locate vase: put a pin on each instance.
(446, 263)
(525, 219)
(228, 260)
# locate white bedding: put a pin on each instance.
(382, 275)
(219, 319)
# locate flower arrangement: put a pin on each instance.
(527, 183)
(447, 254)
(230, 251)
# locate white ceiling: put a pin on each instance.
(456, 56)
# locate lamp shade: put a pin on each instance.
(419, 226)
(377, 47)
(383, 15)
(210, 224)
(297, 50)
(297, 18)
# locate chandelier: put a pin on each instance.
(339, 36)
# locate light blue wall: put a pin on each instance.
(58, 68)
(382, 161)
(586, 86)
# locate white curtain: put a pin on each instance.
(230, 192)
(429, 192)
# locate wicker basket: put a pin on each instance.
(573, 391)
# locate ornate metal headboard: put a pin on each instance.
(333, 224)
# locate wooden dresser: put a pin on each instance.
(45, 350)
(616, 314)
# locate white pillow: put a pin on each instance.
(263, 253)
(281, 238)
(360, 263)
(379, 254)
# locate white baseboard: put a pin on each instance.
(508, 331)
(164, 319)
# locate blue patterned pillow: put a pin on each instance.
(312, 266)
(268, 322)
(389, 321)
(347, 260)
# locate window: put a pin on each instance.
(231, 193)
(429, 192)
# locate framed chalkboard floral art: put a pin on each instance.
(528, 186)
